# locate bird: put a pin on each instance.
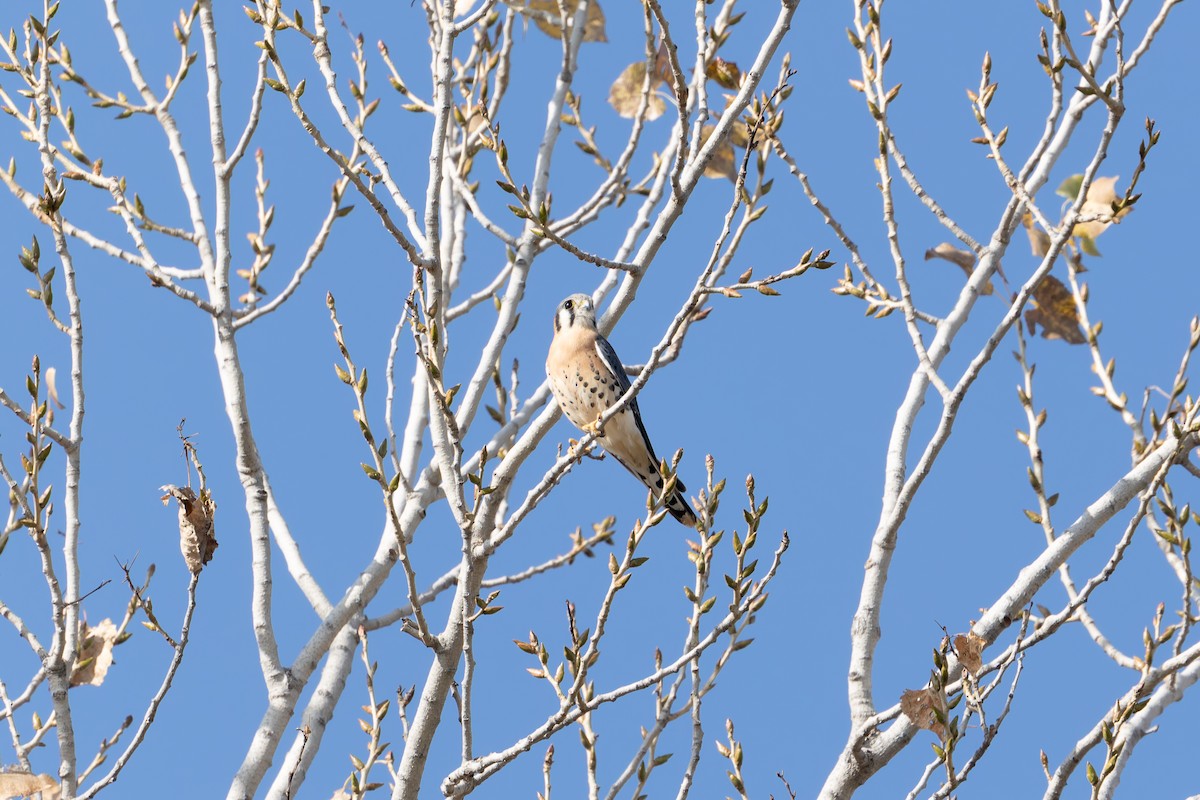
(587, 378)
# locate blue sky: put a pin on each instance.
(799, 390)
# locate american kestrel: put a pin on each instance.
(587, 377)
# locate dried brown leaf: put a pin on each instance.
(965, 260)
(1100, 197)
(95, 653)
(196, 539)
(24, 784)
(544, 14)
(625, 95)
(722, 164)
(662, 64)
(51, 377)
(476, 120)
(969, 647)
(725, 73)
(52, 386)
(1054, 309)
(739, 134)
(921, 706)
(1039, 240)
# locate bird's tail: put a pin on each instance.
(654, 477)
(677, 504)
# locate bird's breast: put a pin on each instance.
(581, 384)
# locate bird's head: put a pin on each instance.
(576, 310)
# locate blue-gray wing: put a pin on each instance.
(677, 503)
(609, 356)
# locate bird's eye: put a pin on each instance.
(567, 304)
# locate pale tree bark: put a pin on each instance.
(427, 448)
(870, 747)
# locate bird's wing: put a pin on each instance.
(677, 503)
(609, 356)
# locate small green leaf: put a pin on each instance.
(1070, 187)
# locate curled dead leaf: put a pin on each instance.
(965, 260)
(196, 539)
(625, 94)
(1039, 240)
(1054, 309)
(725, 73)
(969, 647)
(51, 377)
(52, 386)
(923, 706)
(662, 64)
(95, 653)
